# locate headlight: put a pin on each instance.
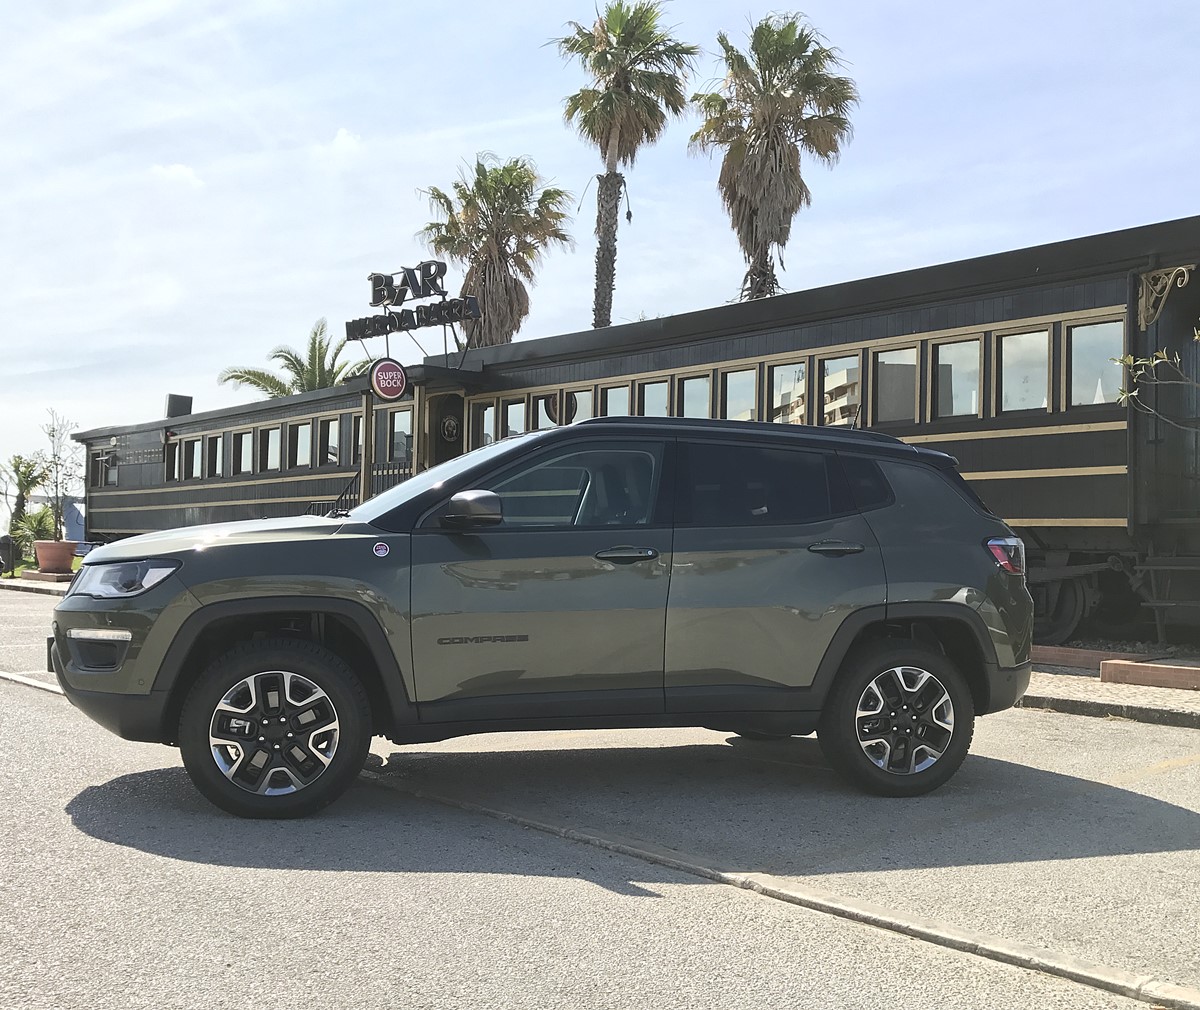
(121, 579)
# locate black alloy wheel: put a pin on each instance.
(277, 728)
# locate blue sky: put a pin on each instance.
(185, 185)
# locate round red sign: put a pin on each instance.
(388, 379)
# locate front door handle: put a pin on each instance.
(627, 555)
(836, 548)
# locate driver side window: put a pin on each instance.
(601, 485)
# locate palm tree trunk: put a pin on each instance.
(608, 203)
(760, 280)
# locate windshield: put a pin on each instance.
(434, 476)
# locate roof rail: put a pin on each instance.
(701, 423)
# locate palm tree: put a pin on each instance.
(319, 369)
(776, 102)
(638, 71)
(27, 473)
(497, 223)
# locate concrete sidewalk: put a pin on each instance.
(1087, 695)
(31, 586)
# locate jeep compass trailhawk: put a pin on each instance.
(760, 579)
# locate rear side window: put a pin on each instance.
(724, 484)
(931, 490)
(868, 486)
(965, 489)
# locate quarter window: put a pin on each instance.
(1024, 370)
(840, 390)
(896, 385)
(788, 393)
(956, 378)
(1095, 376)
(722, 484)
(599, 486)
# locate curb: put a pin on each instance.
(20, 586)
(1145, 988)
(41, 685)
(1112, 709)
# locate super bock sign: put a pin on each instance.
(392, 290)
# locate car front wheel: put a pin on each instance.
(275, 728)
(899, 719)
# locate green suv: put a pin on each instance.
(760, 579)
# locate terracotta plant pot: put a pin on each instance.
(54, 557)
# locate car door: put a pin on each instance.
(770, 557)
(560, 609)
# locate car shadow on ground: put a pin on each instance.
(772, 808)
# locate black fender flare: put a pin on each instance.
(401, 709)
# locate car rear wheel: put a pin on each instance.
(277, 728)
(899, 719)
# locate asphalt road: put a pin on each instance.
(125, 888)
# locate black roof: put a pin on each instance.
(837, 437)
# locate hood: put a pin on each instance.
(198, 538)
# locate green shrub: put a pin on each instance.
(36, 525)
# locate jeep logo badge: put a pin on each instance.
(388, 379)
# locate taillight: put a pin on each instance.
(1009, 553)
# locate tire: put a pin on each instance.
(753, 734)
(886, 762)
(276, 728)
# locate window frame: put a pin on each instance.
(663, 492)
(264, 449)
(997, 391)
(930, 413)
(191, 453)
(639, 402)
(679, 399)
(833, 469)
(629, 399)
(805, 362)
(235, 469)
(819, 361)
(873, 413)
(217, 441)
(1066, 358)
(721, 406)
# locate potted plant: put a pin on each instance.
(55, 557)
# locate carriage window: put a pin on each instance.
(213, 456)
(268, 449)
(956, 378)
(739, 395)
(896, 385)
(483, 424)
(788, 393)
(514, 418)
(614, 402)
(545, 410)
(840, 390)
(1095, 377)
(694, 396)
(1024, 370)
(243, 452)
(356, 439)
(327, 447)
(652, 399)
(300, 444)
(400, 436)
(193, 459)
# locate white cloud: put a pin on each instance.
(340, 153)
(182, 174)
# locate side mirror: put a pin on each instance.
(469, 509)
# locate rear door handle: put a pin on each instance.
(836, 548)
(627, 555)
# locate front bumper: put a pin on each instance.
(131, 716)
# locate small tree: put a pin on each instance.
(1162, 368)
(63, 465)
(21, 477)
